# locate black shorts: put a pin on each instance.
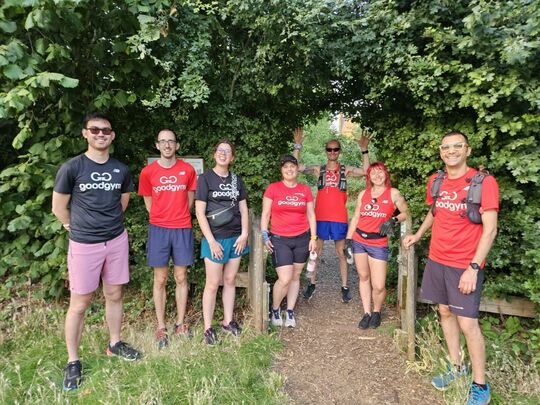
(290, 249)
(440, 284)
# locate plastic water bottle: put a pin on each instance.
(311, 262)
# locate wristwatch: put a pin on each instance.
(297, 146)
(475, 266)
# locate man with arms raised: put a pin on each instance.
(91, 193)
(331, 203)
(454, 272)
(168, 187)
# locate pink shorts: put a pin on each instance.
(88, 262)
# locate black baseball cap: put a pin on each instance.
(288, 158)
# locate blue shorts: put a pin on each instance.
(377, 252)
(166, 242)
(228, 250)
(328, 230)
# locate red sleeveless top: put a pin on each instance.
(373, 213)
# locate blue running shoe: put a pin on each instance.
(478, 395)
(443, 381)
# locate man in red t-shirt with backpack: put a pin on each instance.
(454, 272)
(331, 202)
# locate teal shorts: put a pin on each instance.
(228, 250)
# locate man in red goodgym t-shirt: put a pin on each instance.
(454, 272)
(168, 187)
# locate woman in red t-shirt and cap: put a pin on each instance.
(292, 236)
(372, 221)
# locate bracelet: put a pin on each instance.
(314, 237)
(298, 146)
(365, 152)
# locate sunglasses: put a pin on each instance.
(96, 130)
(456, 146)
(333, 149)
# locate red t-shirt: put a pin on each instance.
(288, 215)
(330, 204)
(454, 238)
(373, 213)
(169, 191)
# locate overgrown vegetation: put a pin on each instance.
(252, 71)
(512, 349)
(188, 371)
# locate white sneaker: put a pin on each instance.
(290, 320)
(275, 315)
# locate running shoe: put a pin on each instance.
(345, 295)
(182, 329)
(73, 375)
(452, 373)
(162, 338)
(375, 320)
(364, 322)
(210, 336)
(124, 351)
(290, 320)
(309, 291)
(479, 395)
(232, 328)
(275, 314)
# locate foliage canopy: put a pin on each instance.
(253, 70)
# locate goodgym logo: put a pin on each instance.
(168, 180)
(101, 181)
(101, 176)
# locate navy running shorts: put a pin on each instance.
(440, 285)
(164, 243)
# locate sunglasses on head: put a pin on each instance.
(96, 130)
(333, 149)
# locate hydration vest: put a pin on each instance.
(474, 194)
(321, 183)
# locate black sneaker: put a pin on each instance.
(364, 322)
(73, 375)
(124, 351)
(210, 336)
(345, 295)
(232, 328)
(309, 291)
(375, 320)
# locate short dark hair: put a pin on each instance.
(168, 130)
(453, 133)
(333, 140)
(95, 116)
(233, 149)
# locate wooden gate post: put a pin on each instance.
(407, 282)
(257, 286)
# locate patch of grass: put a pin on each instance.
(34, 354)
(514, 379)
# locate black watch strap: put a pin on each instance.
(475, 266)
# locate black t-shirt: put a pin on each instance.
(96, 189)
(217, 192)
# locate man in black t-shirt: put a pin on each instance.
(91, 193)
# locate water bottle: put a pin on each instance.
(311, 262)
(348, 251)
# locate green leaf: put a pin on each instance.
(8, 26)
(13, 72)
(19, 223)
(29, 23)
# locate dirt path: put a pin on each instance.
(328, 360)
